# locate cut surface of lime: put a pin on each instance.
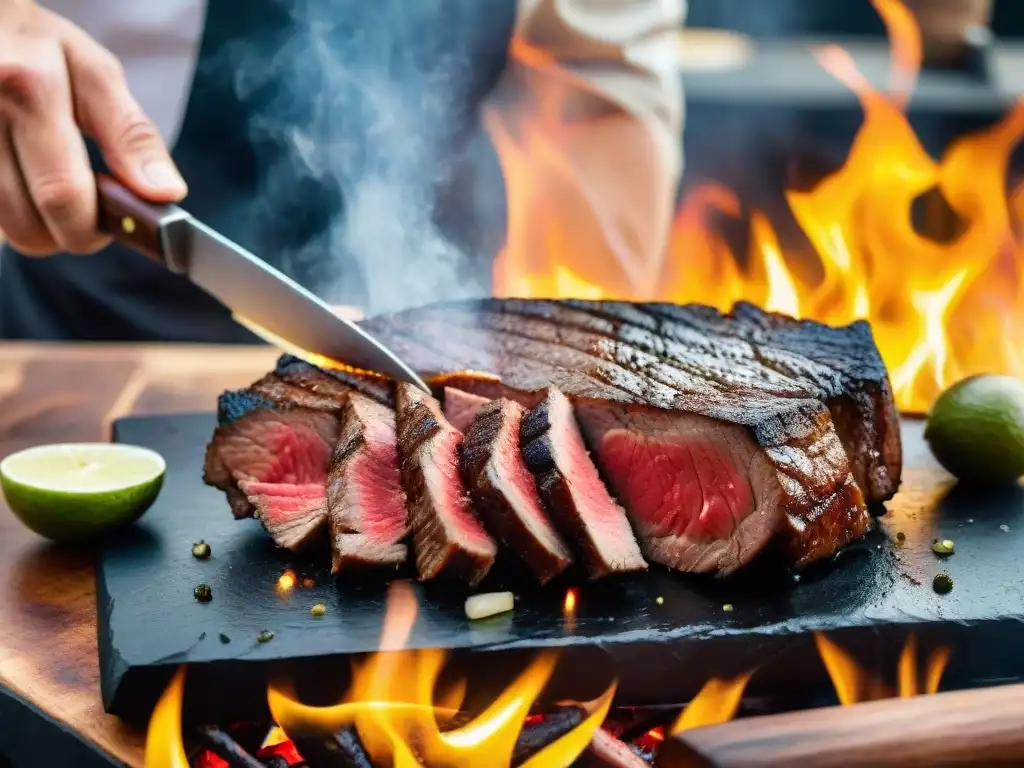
(74, 491)
(976, 429)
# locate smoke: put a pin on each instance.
(354, 117)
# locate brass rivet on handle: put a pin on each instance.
(128, 224)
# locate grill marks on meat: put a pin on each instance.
(275, 456)
(364, 494)
(573, 493)
(332, 382)
(502, 489)
(616, 360)
(715, 431)
(446, 536)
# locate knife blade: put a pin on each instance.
(263, 299)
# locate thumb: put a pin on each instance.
(108, 113)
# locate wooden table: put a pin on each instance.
(65, 393)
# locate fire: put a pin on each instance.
(945, 299)
(853, 685)
(404, 718)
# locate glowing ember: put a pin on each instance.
(944, 303)
(853, 685)
(286, 582)
(570, 601)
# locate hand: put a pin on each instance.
(57, 83)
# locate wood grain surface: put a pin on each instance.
(47, 597)
(983, 727)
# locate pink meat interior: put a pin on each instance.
(374, 504)
(687, 487)
(460, 407)
(440, 463)
(508, 472)
(280, 461)
(605, 520)
(290, 512)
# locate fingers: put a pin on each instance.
(107, 112)
(35, 101)
(20, 222)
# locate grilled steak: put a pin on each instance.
(502, 489)
(333, 382)
(711, 451)
(275, 457)
(364, 494)
(572, 491)
(461, 408)
(446, 536)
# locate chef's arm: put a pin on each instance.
(588, 127)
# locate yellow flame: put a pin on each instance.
(945, 301)
(715, 703)
(565, 750)
(164, 746)
(286, 582)
(853, 685)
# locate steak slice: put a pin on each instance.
(275, 456)
(333, 382)
(365, 502)
(722, 432)
(503, 491)
(445, 534)
(573, 492)
(461, 408)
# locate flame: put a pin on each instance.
(393, 705)
(853, 685)
(945, 301)
(164, 746)
(715, 703)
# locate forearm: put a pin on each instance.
(588, 130)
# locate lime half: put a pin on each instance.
(976, 429)
(76, 491)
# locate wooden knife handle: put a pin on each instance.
(130, 220)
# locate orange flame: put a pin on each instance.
(853, 685)
(715, 703)
(392, 704)
(403, 718)
(944, 302)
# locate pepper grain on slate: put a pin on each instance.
(201, 550)
(203, 593)
(265, 636)
(942, 583)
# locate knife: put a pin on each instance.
(269, 303)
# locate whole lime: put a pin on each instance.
(75, 491)
(976, 429)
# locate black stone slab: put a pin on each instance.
(871, 596)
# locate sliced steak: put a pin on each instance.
(747, 450)
(364, 491)
(503, 491)
(461, 408)
(275, 456)
(446, 536)
(333, 382)
(572, 491)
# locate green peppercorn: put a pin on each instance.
(265, 636)
(318, 610)
(901, 539)
(942, 583)
(203, 593)
(201, 550)
(944, 547)
(727, 608)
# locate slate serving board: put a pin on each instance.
(871, 597)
